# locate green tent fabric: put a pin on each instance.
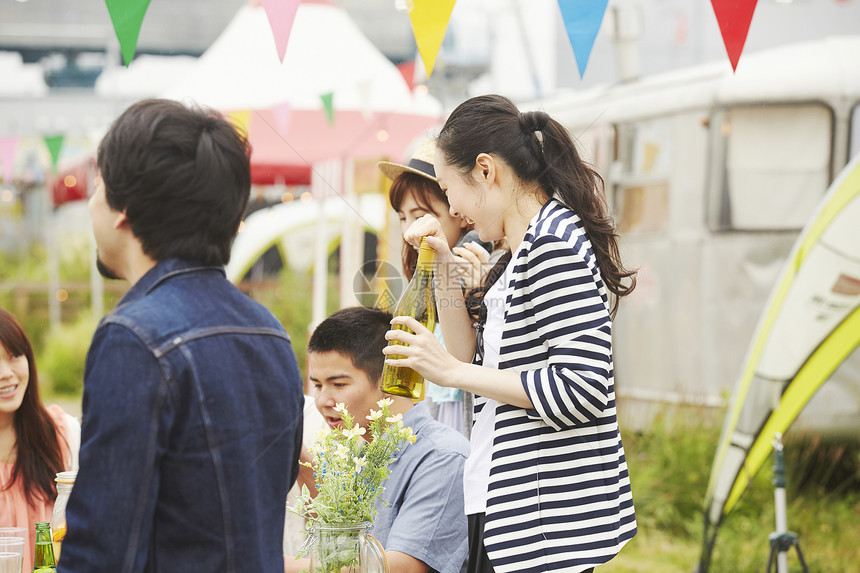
(810, 325)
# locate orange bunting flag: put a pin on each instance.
(281, 14)
(127, 18)
(429, 23)
(734, 18)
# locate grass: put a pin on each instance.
(669, 464)
(669, 469)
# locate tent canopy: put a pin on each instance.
(810, 325)
(375, 114)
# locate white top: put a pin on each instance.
(476, 476)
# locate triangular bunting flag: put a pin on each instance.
(282, 113)
(281, 14)
(8, 149)
(734, 18)
(328, 104)
(127, 17)
(407, 70)
(582, 19)
(429, 22)
(241, 120)
(54, 143)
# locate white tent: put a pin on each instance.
(146, 76)
(326, 53)
(375, 114)
(20, 79)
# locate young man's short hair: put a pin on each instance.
(183, 177)
(358, 333)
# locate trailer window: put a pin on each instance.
(854, 144)
(775, 165)
(640, 175)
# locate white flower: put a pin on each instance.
(374, 415)
(340, 407)
(394, 419)
(359, 464)
(356, 432)
(385, 402)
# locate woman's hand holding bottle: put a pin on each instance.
(430, 227)
(423, 352)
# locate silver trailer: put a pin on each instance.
(711, 176)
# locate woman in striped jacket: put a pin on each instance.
(546, 482)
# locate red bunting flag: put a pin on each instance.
(407, 70)
(734, 18)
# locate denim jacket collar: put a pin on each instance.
(162, 271)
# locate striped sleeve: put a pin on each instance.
(573, 322)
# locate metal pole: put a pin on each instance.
(53, 271)
(779, 502)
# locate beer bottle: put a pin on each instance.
(417, 301)
(43, 560)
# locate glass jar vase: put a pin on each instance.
(344, 548)
(65, 481)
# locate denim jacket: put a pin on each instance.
(192, 426)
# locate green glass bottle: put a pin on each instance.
(417, 302)
(43, 560)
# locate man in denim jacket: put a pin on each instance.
(192, 407)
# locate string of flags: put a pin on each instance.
(429, 19)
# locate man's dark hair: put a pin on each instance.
(357, 332)
(182, 176)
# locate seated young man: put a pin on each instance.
(423, 528)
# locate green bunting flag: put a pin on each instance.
(328, 104)
(127, 17)
(54, 143)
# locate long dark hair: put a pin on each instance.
(539, 150)
(39, 456)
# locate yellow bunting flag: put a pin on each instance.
(241, 120)
(429, 22)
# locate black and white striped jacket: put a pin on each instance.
(559, 494)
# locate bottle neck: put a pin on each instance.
(426, 256)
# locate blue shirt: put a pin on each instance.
(425, 517)
(192, 426)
